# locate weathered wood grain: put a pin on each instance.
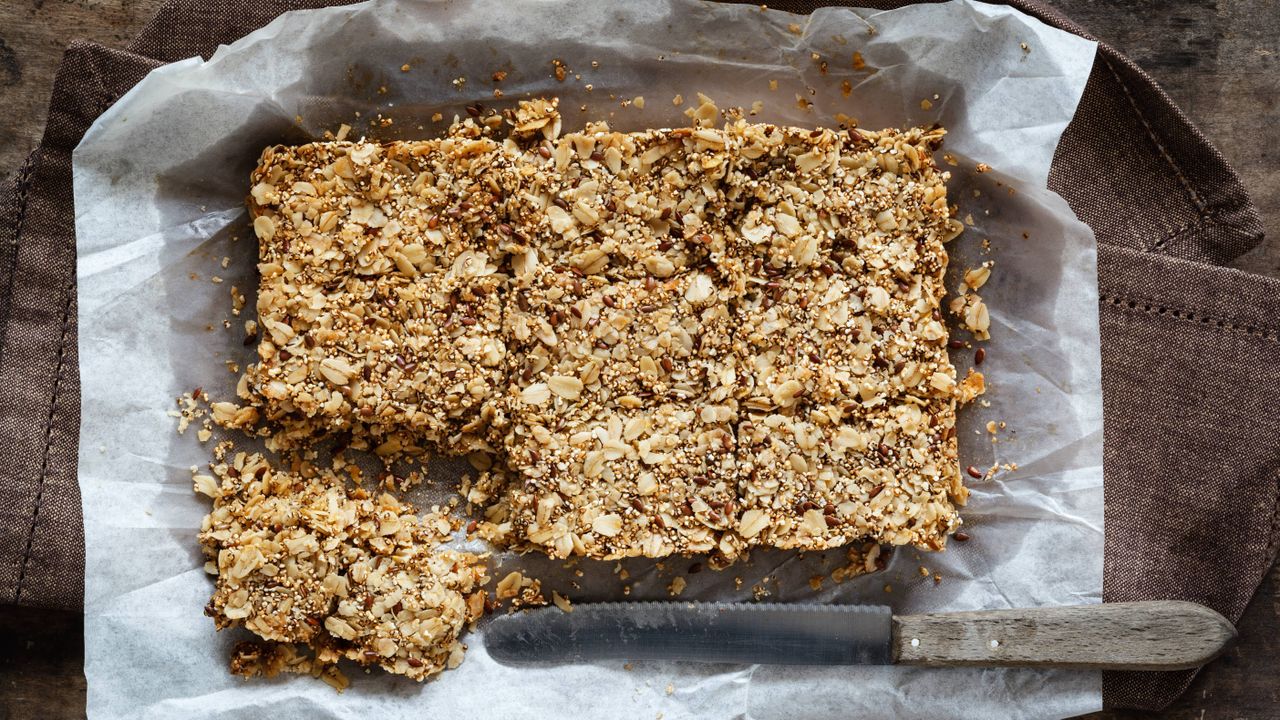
(1219, 60)
(33, 35)
(41, 665)
(1124, 636)
(1157, 635)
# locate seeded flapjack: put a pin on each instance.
(847, 395)
(300, 557)
(379, 302)
(687, 340)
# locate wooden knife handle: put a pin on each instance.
(1153, 635)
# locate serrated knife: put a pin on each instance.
(1153, 635)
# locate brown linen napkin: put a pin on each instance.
(41, 532)
(1190, 351)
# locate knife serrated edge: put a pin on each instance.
(722, 605)
(678, 612)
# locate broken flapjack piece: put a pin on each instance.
(300, 557)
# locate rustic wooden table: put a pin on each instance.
(1219, 61)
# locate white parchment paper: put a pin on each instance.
(160, 181)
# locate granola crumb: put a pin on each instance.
(676, 586)
(975, 278)
(509, 586)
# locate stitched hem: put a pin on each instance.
(1205, 214)
(48, 443)
(1209, 215)
(22, 190)
(1155, 140)
(1153, 308)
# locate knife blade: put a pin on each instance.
(703, 632)
(1151, 635)
(700, 632)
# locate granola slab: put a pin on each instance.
(326, 210)
(621, 415)
(624, 204)
(401, 360)
(829, 336)
(620, 343)
(847, 391)
(763, 301)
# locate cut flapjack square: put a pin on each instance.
(650, 481)
(824, 476)
(596, 342)
(624, 204)
(408, 361)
